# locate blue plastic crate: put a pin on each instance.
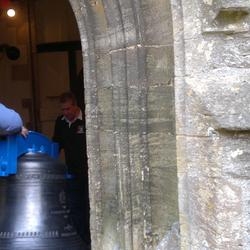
(13, 146)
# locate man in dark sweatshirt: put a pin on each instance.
(70, 133)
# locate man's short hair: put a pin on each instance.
(68, 96)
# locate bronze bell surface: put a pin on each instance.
(34, 212)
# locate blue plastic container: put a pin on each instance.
(13, 146)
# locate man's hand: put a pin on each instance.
(24, 132)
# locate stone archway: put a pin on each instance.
(130, 63)
(129, 70)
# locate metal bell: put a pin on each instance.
(34, 212)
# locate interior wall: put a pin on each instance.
(53, 79)
(50, 22)
(15, 75)
(129, 92)
(54, 22)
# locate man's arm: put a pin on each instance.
(10, 121)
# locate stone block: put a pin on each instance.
(160, 65)
(156, 22)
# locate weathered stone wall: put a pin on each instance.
(129, 69)
(212, 102)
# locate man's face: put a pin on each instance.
(69, 110)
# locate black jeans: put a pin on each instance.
(78, 199)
